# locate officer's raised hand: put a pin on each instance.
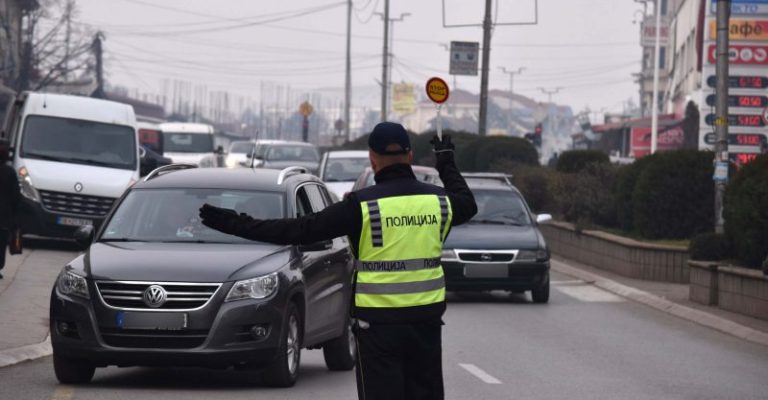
(220, 219)
(443, 149)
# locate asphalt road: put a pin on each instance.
(585, 344)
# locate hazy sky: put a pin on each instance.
(588, 47)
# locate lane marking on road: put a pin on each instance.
(590, 294)
(63, 393)
(480, 374)
(570, 282)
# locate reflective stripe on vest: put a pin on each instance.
(399, 251)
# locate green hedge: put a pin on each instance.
(574, 161)
(746, 212)
(626, 180)
(709, 247)
(674, 195)
(587, 197)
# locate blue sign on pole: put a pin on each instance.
(745, 7)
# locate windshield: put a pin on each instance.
(344, 169)
(500, 207)
(176, 142)
(171, 215)
(241, 148)
(79, 142)
(292, 153)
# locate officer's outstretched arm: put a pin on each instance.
(334, 221)
(462, 201)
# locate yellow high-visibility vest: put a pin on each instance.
(399, 251)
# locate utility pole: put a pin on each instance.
(67, 37)
(721, 110)
(384, 61)
(348, 74)
(98, 52)
(550, 92)
(655, 100)
(487, 26)
(391, 52)
(511, 74)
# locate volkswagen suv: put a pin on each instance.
(158, 288)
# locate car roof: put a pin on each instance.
(186, 127)
(292, 143)
(223, 178)
(416, 169)
(347, 154)
(489, 184)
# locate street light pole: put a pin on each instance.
(487, 26)
(550, 92)
(656, 67)
(511, 74)
(721, 110)
(392, 53)
(348, 74)
(384, 62)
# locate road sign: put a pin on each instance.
(755, 30)
(437, 90)
(751, 121)
(306, 109)
(741, 101)
(464, 58)
(742, 54)
(741, 82)
(745, 7)
(737, 139)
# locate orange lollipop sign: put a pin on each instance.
(437, 90)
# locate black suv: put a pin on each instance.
(158, 288)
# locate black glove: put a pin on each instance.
(220, 219)
(442, 146)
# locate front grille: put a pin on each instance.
(92, 206)
(153, 339)
(180, 296)
(482, 257)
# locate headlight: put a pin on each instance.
(256, 288)
(25, 183)
(531, 255)
(72, 284)
(449, 255)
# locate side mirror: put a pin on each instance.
(317, 246)
(543, 218)
(84, 235)
(142, 152)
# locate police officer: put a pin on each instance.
(396, 228)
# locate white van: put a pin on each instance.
(188, 143)
(74, 156)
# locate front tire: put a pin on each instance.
(72, 371)
(284, 370)
(541, 294)
(341, 353)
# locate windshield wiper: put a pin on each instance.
(495, 222)
(44, 157)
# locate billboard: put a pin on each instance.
(464, 58)
(403, 98)
(669, 138)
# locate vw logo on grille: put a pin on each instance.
(486, 257)
(155, 296)
(78, 187)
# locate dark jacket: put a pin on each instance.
(10, 197)
(345, 219)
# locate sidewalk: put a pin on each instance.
(24, 298)
(672, 292)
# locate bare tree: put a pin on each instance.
(61, 46)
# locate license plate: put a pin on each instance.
(486, 271)
(69, 221)
(152, 320)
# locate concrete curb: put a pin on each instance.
(26, 353)
(697, 316)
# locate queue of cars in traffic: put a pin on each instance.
(156, 287)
